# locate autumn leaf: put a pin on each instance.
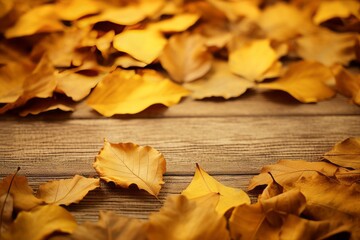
(272, 189)
(67, 191)
(185, 57)
(111, 226)
(75, 9)
(336, 9)
(347, 83)
(41, 222)
(182, 219)
(123, 92)
(40, 105)
(345, 153)
(177, 23)
(305, 81)
(7, 208)
(203, 187)
(234, 10)
(128, 163)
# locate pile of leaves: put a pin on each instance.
(298, 200)
(129, 55)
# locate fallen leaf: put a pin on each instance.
(347, 83)
(305, 81)
(71, 10)
(185, 57)
(126, 61)
(336, 9)
(123, 92)
(41, 105)
(203, 187)
(253, 59)
(7, 208)
(5, 7)
(219, 82)
(111, 226)
(177, 23)
(67, 191)
(128, 163)
(237, 9)
(182, 219)
(345, 153)
(273, 189)
(40, 223)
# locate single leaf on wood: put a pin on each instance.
(203, 187)
(347, 83)
(305, 81)
(185, 57)
(41, 222)
(111, 226)
(128, 163)
(336, 9)
(182, 219)
(345, 153)
(125, 92)
(67, 191)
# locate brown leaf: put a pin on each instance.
(345, 153)
(128, 163)
(347, 83)
(41, 105)
(182, 219)
(7, 208)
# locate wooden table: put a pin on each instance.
(231, 140)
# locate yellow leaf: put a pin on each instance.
(20, 190)
(219, 82)
(178, 23)
(7, 208)
(5, 7)
(67, 191)
(132, 42)
(224, 198)
(336, 9)
(123, 92)
(41, 222)
(253, 59)
(305, 81)
(32, 22)
(128, 163)
(111, 226)
(185, 57)
(345, 153)
(182, 219)
(327, 47)
(347, 83)
(127, 61)
(40, 105)
(236, 9)
(74, 9)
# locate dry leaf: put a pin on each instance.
(7, 208)
(128, 163)
(345, 153)
(219, 82)
(182, 219)
(132, 42)
(67, 191)
(347, 83)
(253, 59)
(22, 193)
(74, 9)
(272, 189)
(237, 9)
(40, 223)
(336, 9)
(123, 92)
(305, 81)
(111, 226)
(185, 57)
(41, 105)
(126, 61)
(203, 187)
(178, 23)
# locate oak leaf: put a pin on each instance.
(203, 187)
(305, 81)
(185, 57)
(345, 153)
(123, 92)
(111, 226)
(41, 222)
(67, 191)
(182, 219)
(336, 9)
(128, 163)
(347, 83)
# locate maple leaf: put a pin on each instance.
(111, 226)
(336, 9)
(182, 219)
(345, 153)
(67, 191)
(219, 82)
(123, 92)
(128, 163)
(185, 57)
(347, 83)
(203, 187)
(305, 81)
(40, 222)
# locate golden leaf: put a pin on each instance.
(123, 92)
(7, 208)
(128, 163)
(40, 223)
(126, 61)
(182, 219)
(236, 9)
(67, 191)
(336, 9)
(178, 23)
(22, 193)
(253, 59)
(132, 42)
(74, 9)
(219, 82)
(347, 83)
(305, 81)
(32, 22)
(345, 153)
(203, 187)
(40, 105)
(111, 226)
(5, 7)
(185, 57)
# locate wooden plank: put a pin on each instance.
(233, 145)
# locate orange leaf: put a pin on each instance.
(345, 153)
(177, 23)
(347, 83)
(336, 9)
